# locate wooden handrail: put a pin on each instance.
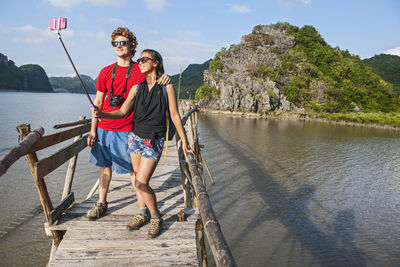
(218, 245)
(58, 126)
(216, 240)
(20, 150)
(53, 139)
(33, 141)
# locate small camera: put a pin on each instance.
(116, 101)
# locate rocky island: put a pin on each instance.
(284, 68)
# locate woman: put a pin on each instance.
(146, 141)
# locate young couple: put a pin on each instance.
(130, 132)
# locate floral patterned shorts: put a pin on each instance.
(140, 146)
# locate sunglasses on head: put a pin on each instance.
(143, 59)
(121, 43)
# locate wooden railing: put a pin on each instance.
(195, 193)
(193, 182)
(33, 141)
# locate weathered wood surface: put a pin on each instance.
(21, 149)
(218, 245)
(106, 242)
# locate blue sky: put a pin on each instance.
(183, 31)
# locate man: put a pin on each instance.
(109, 138)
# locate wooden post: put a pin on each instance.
(32, 161)
(187, 202)
(201, 251)
(94, 189)
(206, 166)
(71, 168)
(185, 170)
(190, 133)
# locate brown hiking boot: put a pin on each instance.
(138, 221)
(97, 211)
(155, 227)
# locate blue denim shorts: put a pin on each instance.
(111, 149)
(140, 146)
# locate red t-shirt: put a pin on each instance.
(103, 84)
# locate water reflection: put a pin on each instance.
(289, 193)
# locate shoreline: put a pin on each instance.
(293, 116)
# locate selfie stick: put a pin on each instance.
(57, 26)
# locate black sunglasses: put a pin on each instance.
(143, 59)
(121, 43)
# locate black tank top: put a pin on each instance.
(149, 112)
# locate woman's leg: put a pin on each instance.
(144, 169)
(135, 159)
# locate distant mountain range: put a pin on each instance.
(72, 84)
(33, 78)
(191, 80)
(387, 67)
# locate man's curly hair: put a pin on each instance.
(128, 34)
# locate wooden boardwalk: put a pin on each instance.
(107, 242)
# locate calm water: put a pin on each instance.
(27, 244)
(292, 193)
(287, 193)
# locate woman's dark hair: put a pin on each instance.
(156, 57)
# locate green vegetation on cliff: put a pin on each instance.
(348, 81)
(28, 77)
(299, 66)
(387, 67)
(10, 77)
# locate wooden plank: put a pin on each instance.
(172, 223)
(70, 221)
(150, 244)
(53, 139)
(64, 205)
(107, 242)
(123, 262)
(126, 252)
(49, 164)
(130, 210)
(123, 234)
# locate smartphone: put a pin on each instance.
(58, 23)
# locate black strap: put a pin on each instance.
(127, 76)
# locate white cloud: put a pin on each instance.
(179, 61)
(29, 41)
(32, 36)
(71, 3)
(116, 3)
(394, 51)
(116, 21)
(240, 9)
(188, 33)
(63, 3)
(180, 53)
(296, 2)
(103, 36)
(156, 5)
